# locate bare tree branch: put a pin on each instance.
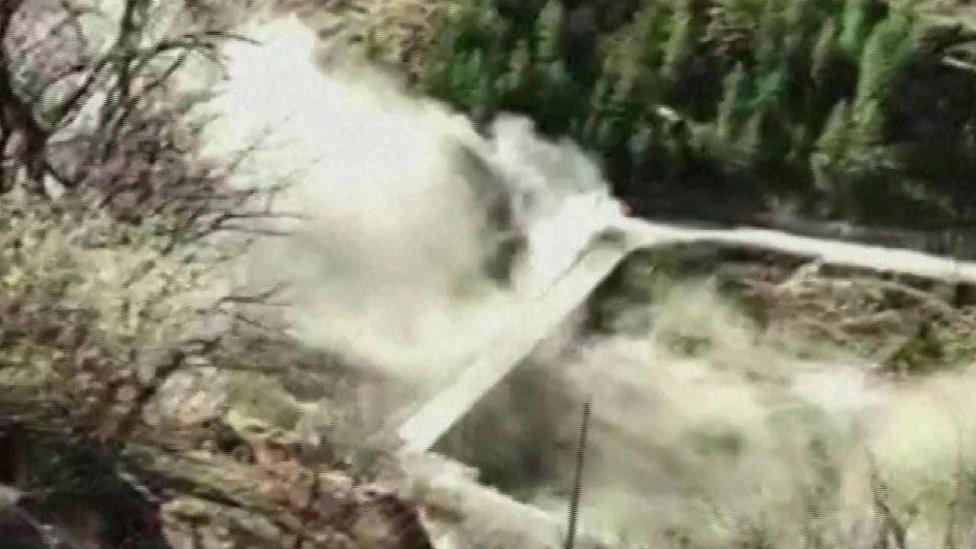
(16, 116)
(260, 298)
(66, 112)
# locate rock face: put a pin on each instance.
(183, 447)
(461, 513)
(282, 504)
(147, 496)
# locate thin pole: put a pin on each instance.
(574, 500)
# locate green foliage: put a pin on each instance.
(680, 45)
(548, 31)
(854, 26)
(733, 105)
(486, 63)
(835, 139)
(823, 50)
(798, 100)
(885, 51)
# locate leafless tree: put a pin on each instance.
(138, 153)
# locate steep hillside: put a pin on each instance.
(719, 108)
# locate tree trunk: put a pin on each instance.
(23, 141)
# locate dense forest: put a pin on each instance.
(859, 110)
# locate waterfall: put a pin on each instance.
(387, 267)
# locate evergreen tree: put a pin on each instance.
(884, 52)
(855, 27)
(733, 103)
(768, 88)
(680, 45)
(826, 163)
(769, 36)
(835, 139)
(547, 31)
(823, 52)
(801, 89)
(519, 66)
(749, 143)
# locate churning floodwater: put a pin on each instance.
(389, 264)
(386, 267)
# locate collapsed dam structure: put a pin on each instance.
(376, 272)
(434, 418)
(512, 346)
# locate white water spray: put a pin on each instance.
(388, 265)
(387, 268)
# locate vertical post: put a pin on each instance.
(574, 500)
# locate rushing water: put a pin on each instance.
(389, 264)
(387, 268)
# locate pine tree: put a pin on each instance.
(823, 52)
(519, 67)
(854, 27)
(749, 142)
(466, 76)
(768, 87)
(769, 36)
(867, 122)
(653, 28)
(826, 163)
(547, 31)
(680, 44)
(800, 14)
(884, 52)
(835, 138)
(733, 101)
